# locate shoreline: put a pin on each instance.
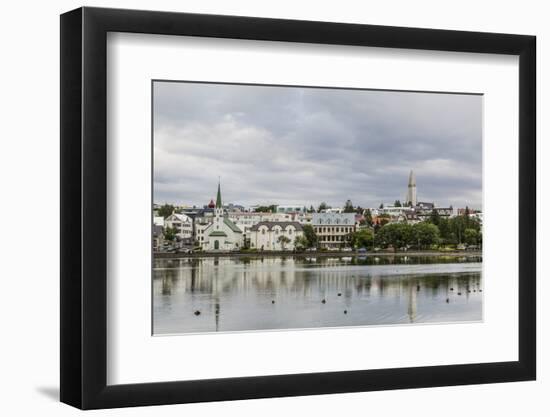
(318, 254)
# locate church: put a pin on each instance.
(222, 234)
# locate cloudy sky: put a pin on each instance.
(290, 145)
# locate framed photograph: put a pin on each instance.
(257, 208)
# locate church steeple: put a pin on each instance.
(219, 197)
(411, 192)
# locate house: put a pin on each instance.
(182, 223)
(275, 236)
(334, 229)
(221, 234)
(158, 238)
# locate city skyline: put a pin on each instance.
(286, 145)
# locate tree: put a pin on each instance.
(396, 234)
(425, 234)
(471, 236)
(434, 217)
(266, 209)
(170, 233)
(322, 206)
(311, 209)
(397, 203)
(166, 210)
(301, 243)
(348, 207)
(362, 238)
(368, 217)
(311, 237)
(283, 240)
(381, 206)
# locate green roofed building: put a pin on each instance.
(222, 234)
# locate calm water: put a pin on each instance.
(236, 294)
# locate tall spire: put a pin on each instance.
(219, 196)
(411, 191)
(412, 179)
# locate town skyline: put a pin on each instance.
(404, 202)
(304, 146)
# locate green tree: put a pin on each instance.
(348, 207)
(362, 238)
(283, 240)
(397, 203)
(445, 232)
(170, 233)
(434, 217)
(471, 236)
(425, 234)
(310, 235)
(398, 235)
(368, 217)
(381, 206)
(266, 209)
(166, 210)
(322, 206)
(301, 243)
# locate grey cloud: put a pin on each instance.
(306, 145)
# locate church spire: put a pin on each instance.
(411, 189)
(219, 197)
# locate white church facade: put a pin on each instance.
(222, 234)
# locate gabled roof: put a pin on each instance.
(180, 217)
(232, 225)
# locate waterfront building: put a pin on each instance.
(275, 236)
(246, 220)
(182, 223)
(221, 234)
(334, 229)
(158, 238)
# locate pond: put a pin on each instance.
(227, 294)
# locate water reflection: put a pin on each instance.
(233, 294)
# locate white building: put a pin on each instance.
(158, 221)
(275, 236)
(333, 229)
(182, 223)
(246, 220)
(222, 234)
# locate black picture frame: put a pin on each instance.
(84, 207)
